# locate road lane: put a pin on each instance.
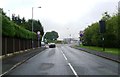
(64, 60)
(88, 64)
(48, 62)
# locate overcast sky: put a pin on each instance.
(64, 16)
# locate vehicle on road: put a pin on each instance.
(42, 44)
(52, 45)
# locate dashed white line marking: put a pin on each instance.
(26, 50)
(65, 57)
(71, 67)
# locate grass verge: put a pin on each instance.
(115, 51)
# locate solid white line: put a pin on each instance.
(73, 70)
(14, 66)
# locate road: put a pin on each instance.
(64, 60)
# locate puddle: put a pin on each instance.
(46, 66)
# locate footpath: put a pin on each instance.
(112, 57)
(11, 62)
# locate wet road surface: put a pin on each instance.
(64, 60)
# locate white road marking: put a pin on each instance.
(71, 67)
(26, 50)
(65, 57)
(73, 70)
(13, 67)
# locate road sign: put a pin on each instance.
(81, 33)
(102, 26)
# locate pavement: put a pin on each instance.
(112, 57)
(11, 62)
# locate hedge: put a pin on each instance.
(11, 29)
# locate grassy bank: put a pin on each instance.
(115, 51)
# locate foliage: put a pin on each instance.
(20, 28)
(92, 36)
(10, 29)
(59, 41)
(36, 26)
(28, 24)
(23, 33)
(51, 36)
(7, 27)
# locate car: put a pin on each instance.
(42, 44)
(52, 45)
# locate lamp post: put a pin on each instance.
(33, 27)
(38, 33)
(9, 13)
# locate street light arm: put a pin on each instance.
(39, 7)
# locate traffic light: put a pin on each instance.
(102, 26)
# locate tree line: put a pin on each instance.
(93, 37)
(20, 28)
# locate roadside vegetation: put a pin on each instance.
(51, 37)
(92, 38)
(114, 51)
(17, 33)
(19, 28)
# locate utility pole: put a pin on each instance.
(102, 31)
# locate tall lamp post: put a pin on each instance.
(9, 13)
(33, 27)
(38, 33)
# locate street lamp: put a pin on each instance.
(38, 33)
(32, 27)
(9, 13)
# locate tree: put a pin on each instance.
(54, 35)
(1, 11)
(23, 20)
(51, 36)
(36, 25)
(106, 16)
(92, 35)
(13, 17)
(18, 20)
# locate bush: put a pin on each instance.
(92, 36)
(7, 27)
(11, 29)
